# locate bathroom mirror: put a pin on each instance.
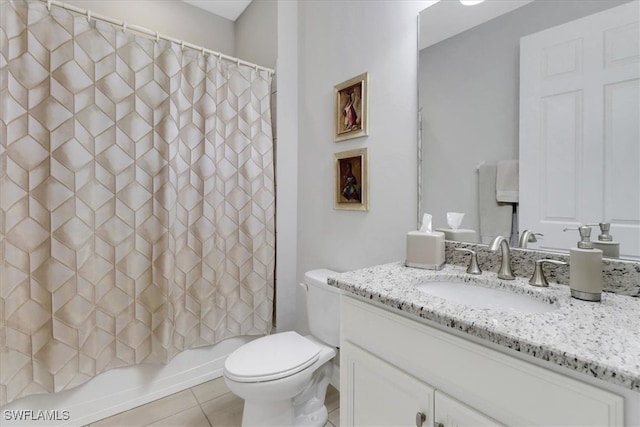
(469, 103)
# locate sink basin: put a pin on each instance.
(488, 298)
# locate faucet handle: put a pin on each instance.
(538, 278)
(473, 267)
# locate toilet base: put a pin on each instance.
(317, 418)
(306, 409)
(309, 405)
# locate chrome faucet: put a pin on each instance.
(501, 243)
(528, 236)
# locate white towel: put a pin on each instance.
(507, 181)
(495, 218)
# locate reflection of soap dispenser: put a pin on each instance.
(605, 241)
(585, 267)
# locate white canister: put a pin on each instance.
(425, 250)
(585, 274)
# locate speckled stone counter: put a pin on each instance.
(598, 339)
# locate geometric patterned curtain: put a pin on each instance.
(136, 199)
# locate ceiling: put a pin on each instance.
(443, 19)
(230, 9)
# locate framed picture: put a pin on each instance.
(352, 98)
(352, 181)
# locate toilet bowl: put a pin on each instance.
(283, 377)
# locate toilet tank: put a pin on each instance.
(323, 306)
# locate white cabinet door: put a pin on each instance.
(580, 129)
(512, 391)
(376, 393)
(452, 413)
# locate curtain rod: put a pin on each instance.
(153, 34)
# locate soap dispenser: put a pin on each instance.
(585, 267)
(605, 241)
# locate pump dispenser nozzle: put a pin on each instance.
(604, 235)
(585, 236)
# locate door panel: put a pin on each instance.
(453, 413)
(380, 393)
(580, 129)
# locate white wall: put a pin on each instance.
(256, 33)
(287, 165)
(172, 18)
(337, 41)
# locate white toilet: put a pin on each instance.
(283, 377)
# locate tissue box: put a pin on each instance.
(425, 250)
(459, 235)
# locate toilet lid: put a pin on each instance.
(271, 357)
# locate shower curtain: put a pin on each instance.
(136, 199)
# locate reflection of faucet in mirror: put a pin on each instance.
(528, 236)
(501, 243)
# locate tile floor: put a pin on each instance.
(205, 405)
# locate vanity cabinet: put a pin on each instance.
(384, 395)
(393, 368)
(453, 413)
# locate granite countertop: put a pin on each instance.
(601, 340)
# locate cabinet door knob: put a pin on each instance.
(420, 419)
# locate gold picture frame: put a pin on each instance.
(352, 180)
(351, 108)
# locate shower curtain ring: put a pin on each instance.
(89, 16)
(182, 45)
(203, 52)
(49, 5)
(157, 37)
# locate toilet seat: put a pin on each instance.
(271, 357)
